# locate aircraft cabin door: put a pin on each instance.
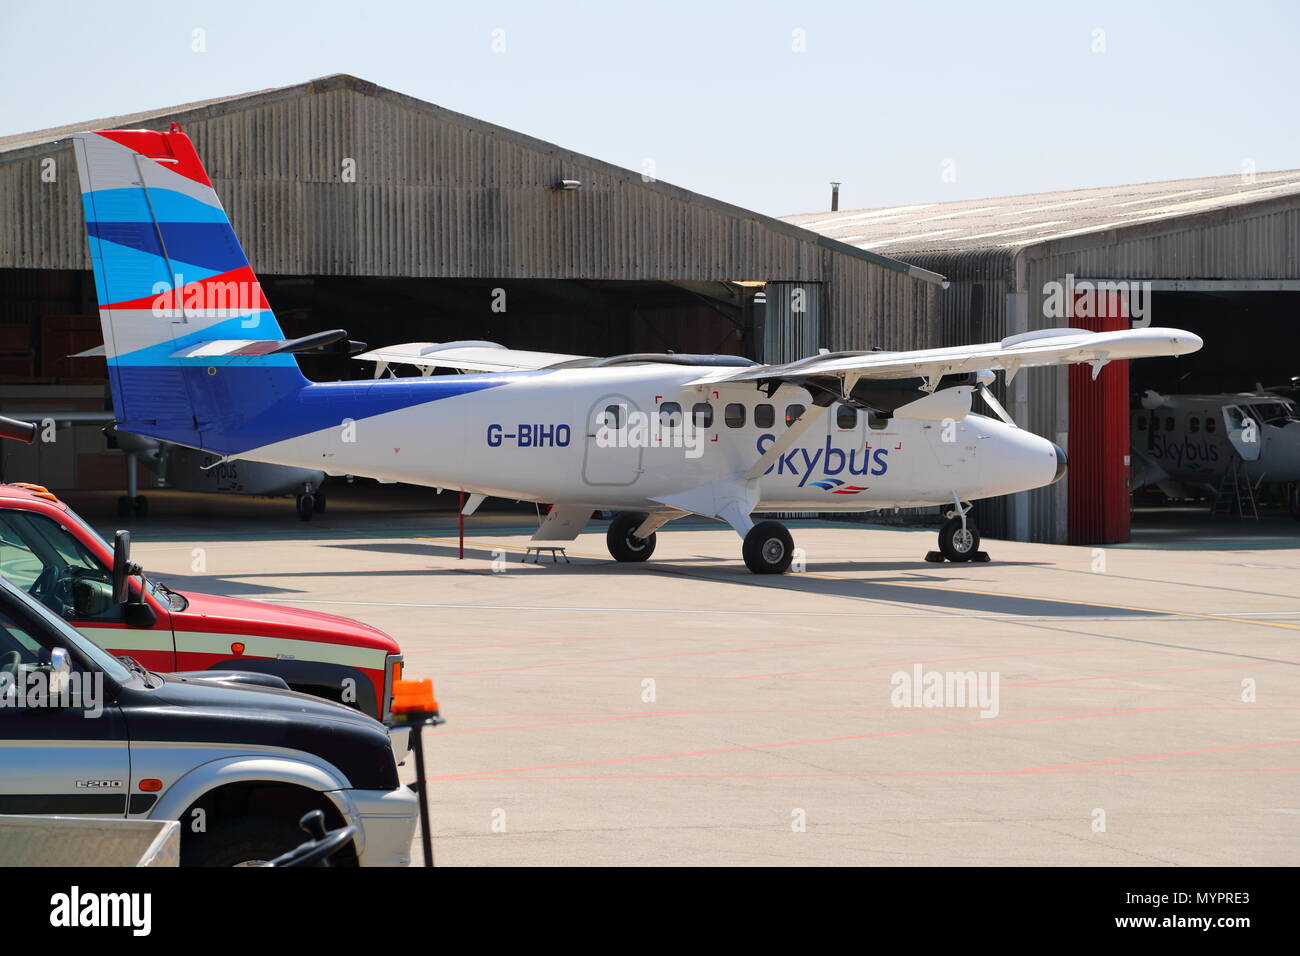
(1243, 431)
(612, 457)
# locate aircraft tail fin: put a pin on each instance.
(171, 277)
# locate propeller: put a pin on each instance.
(982, 386)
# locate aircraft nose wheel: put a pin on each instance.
(960, 544)
(623, 544)
(306, 506)
(768, 548)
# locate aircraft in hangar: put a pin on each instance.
(196, 357)
(187, 469)
(1188, 444)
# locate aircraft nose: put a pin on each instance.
(1061, 462)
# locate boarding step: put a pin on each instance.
(1235, 494)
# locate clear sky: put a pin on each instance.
(756, 103)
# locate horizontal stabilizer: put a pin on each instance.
(335, 341)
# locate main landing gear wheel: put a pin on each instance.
(958, 543)
(623, 544)
(768, 548)
(306, 506)
(319, 507)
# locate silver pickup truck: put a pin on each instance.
(234, 758)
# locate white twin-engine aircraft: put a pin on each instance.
(196, 357)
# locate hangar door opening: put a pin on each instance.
(1184, 409)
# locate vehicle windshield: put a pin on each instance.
(160, 591)
(30, 647)
(39, 555)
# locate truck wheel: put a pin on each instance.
(244, 841)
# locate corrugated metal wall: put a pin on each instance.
(1253, 241)
(437, 194)
(793, 323)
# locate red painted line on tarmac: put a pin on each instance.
(938, 660)
(1024, 771)
(461, 715)
(1172, 670)
(977, 724)
(871, 773)
(619, 660)
(575, 719)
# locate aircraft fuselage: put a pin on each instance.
(537, 436)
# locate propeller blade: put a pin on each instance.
(994, 404)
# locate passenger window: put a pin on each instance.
(1169, 423)
(702, 414)
(670, 415)
(1194, 424)
(846, 416)
(1209, 424)
(764, 416)
(876, 421)
(792, 413)
(1141, 424)
(613, 417)
(734, 415)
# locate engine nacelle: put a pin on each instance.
(946, 404)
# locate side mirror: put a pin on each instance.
(60, 669)
(24, 432)
(122, 567)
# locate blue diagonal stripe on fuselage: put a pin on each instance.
(245, 407)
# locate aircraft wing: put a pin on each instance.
(467, 356)
(1044, 347)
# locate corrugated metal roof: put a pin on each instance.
(27, 145)
(1017, 222)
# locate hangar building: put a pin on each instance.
(365, 209)
(1221, 255)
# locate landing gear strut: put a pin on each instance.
(623, 543)
(768, 548)
(132, 503)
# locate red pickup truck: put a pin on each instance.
(47, 550)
